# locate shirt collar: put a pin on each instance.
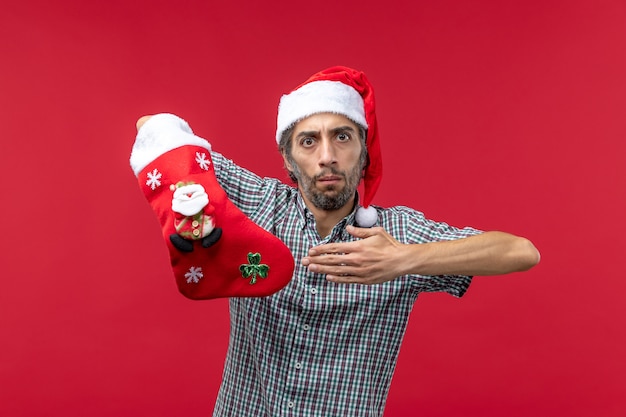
(307, 217)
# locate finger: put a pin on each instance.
(340, 279)
(330, 248)
(332, 269)
(141, 121)
(363, 232)
(328, 260)
(346, 279)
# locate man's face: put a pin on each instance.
(326, 159)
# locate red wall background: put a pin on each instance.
(500, 115)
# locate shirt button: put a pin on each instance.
(298, 365)
(313, 291)
(290, 404)
(306, 327)
(196, 232)
(195, 223)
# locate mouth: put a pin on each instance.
(329, 179)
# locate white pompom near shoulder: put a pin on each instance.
(366, 217)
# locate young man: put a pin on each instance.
(323, 346)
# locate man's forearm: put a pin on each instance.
(377, 257)
(490, 253)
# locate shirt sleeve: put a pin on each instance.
(244, 188)
(414, 227)
(263, 200)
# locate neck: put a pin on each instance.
(325, 220)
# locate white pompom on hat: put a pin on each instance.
(345, 91)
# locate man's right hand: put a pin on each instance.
(142, 120)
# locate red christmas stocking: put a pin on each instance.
(215, 250)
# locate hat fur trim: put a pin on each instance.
(160, 134)
(319, 97)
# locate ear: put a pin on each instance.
(288, 166)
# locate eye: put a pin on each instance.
(343, 137)
(307, 142)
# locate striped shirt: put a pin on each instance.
(318, 348)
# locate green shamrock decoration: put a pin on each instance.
(254, 268)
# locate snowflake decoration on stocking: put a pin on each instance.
(202, 161)
(194, 275)
(154, 178)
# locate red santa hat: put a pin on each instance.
(345, 91)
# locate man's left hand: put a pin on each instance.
(372, 260)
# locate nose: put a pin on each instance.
(327, 154)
